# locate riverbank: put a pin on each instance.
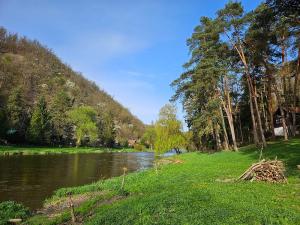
(15, 150)
(192, 188)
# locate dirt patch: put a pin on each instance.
(170, 161)
(226, 180)
(55, 208)
(81, 218)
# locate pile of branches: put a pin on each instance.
(269, 171)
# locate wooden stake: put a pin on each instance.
(72, 209)
(123, 180)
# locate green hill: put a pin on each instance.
(37, 71)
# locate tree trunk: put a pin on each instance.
(241, 130)
(283, 121)
(224, 129)
(218, 139)
(252, 96)
(262, 135)
(296, 93)
(269, 97)
(254, 127)
(228, 111)
(264, 113)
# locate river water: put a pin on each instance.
(30, 179)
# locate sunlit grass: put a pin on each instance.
(201, 190)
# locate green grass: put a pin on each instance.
(193, 192)
(14, 150)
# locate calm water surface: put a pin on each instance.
(31, 179)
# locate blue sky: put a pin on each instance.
(133, 49)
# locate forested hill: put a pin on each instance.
(32, 77)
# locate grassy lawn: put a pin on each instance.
(11, 150)
(197, 190)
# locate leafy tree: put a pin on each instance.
(3, 122)
(40, 123)
(149, 136)
(84, 120)
(106, 127)
(168, 130)
(62, 128)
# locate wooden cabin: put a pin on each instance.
(288, 114)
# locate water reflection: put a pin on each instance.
(31, 179)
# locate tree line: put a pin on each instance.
(241, 83)
(55, 123)
(44, 102)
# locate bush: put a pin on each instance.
(139, 147)
(12, 210)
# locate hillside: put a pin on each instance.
(36, 71)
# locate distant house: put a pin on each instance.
(288, 114)
(131, 142)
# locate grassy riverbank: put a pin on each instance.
(15, 150)
(194, 188)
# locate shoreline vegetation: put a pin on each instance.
(197, 187)
(33, 150)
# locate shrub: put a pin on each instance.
(139, 147)
(12, 210)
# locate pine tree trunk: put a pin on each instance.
(254, 127)
(283, 121)
(296, 93)
(218, 139)
(264, 113)
(228, 111)
(224, 130)
(252, 96)
(285, 129)
(262, 135)
(241, 130)
(269, 97)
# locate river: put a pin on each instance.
(30, 179)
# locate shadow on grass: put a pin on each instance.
(287, 151)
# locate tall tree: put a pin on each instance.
(39, 131)
(62, 129)
(106, 129)
(84, 120)
(168, 131)
(202, 88)
(286, 15)
(233, 23)
(149, 136)
(17, 116)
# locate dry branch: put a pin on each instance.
(270, 171)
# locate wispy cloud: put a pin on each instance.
(137, 74)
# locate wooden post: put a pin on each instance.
(123, 179)
(72, 209)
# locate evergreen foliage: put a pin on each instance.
(243, 68)
(39, 131)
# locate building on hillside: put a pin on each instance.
(131, 142)
(288, 114)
